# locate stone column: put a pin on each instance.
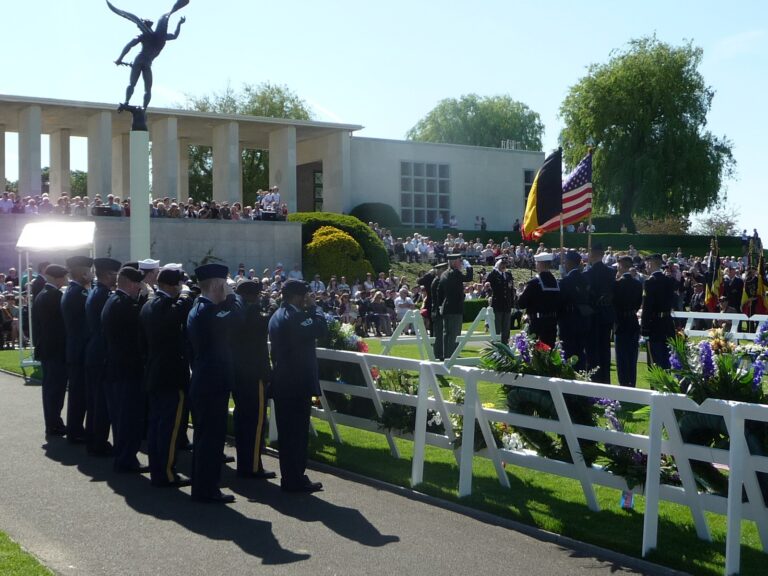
(165, 158)
(60, 181)
(282, 164)
(100, 155)
(30, 129)
(337, 173)
(2, 158)
(121, 165)
(139, 176)
(226, 163)
(182, 179)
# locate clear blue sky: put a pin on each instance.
(385, 65)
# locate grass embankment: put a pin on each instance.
(15, 562)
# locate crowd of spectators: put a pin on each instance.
(268, 205)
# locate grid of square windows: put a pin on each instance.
(425, 193)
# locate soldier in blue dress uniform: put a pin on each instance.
(252, 377)
(125, 369)
(601, 279)
(293, 331)
(49, 336)
(656, 320)
(574, 316)
(73, 310)
(97, 418)
(627, 299)
(210, 326)
(164, 344)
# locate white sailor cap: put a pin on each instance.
(544, 257)
(149, 264)
(173, 266)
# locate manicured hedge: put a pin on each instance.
(379, 212)
(333, 252)
(372, 246)
(472, 308)
(664, 243)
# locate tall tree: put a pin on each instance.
(645, 110)
(480, 121)
(267, 100)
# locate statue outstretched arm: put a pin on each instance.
(178, 29)
(125, 51)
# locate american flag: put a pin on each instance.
(577, 192)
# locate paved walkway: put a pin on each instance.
(78, 517)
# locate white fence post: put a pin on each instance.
(468, 435)
(737, 455)
(420, 431)
(652, 479)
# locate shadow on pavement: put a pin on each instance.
(348, 523)
(213, 521)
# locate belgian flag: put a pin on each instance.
(715, 287)
(545, 200)
(761, 305)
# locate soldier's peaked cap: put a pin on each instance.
(79, 262)
(209, 271)
(55, 271)
(106, 264)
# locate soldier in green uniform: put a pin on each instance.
(450, 300)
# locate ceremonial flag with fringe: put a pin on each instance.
(714, 288)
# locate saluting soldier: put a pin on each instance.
(541, 300)
(575, 313)
(252, 377)
(293, 331)
(73, 310)
(656, 320)
(164, 324)
(601, 279)
(503, 297)
(627, 299)
(450, 300)
(49, 334)
(125, 369)
(97, 418)
(210, 326)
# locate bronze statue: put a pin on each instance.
(152, 42)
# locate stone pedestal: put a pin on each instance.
(139, 185)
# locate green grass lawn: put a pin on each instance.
(15, 562)
(9, 361)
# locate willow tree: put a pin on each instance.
(645, 112)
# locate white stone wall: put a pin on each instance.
(258, 245)
(486, 182)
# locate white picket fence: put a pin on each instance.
(476, 331)
(663, 438)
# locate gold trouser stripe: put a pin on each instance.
(174, 434)
(259, 429)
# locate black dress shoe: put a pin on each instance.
(136, 470)
(56, 432)
(217, 499)
(100, 451)
(179, 482)
(227, 459)
(74, 439)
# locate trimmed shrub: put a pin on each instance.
(373, 247)
(379, 212)
(472, 308)
(333, 252)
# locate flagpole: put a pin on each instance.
(589, 234)
(562, 240)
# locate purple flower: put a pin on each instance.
(521, 344)
(707, 361)
(762, 334)
(758, 369)
(674, 361)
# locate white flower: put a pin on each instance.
(512, 441)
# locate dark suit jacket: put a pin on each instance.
(250, 347)
(210, 330)
(96, 349)
(48, 330)
(575, 313)
(73, 310)
(164, 342)
(450, 291)
(601, 279)
(120, 324)
(293, 334)
(658, 301)
(627, 299)
(503, 290)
